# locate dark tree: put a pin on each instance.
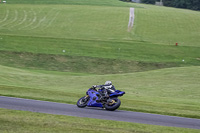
(148, 1)
(168, 3)
(187, 4)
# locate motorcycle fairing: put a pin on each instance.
(117, 93)
(93, 97)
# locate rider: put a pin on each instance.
(104, 89)
(109, 87)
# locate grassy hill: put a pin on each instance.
(117, 3)
(99, 32)
(153, 24)
(172, 91)
(168, 25)
(91, 56)
(54, 51)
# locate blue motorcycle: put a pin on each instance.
(105, 97)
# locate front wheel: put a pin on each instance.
(82, 102)
(113, 105)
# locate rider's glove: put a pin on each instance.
(94, 86)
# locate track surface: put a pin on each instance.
(118, 115)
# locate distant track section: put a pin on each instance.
(118, 115)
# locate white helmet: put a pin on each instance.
(108, 83)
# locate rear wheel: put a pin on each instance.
(82, 102)
(113, 104)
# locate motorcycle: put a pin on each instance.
(105, 97)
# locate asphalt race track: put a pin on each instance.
(118, 115)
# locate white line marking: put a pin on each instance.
(131, 19)
(6, 17)
(42, 20)
(24, 19)
(52, 20)
(38, 24)
(32, 22)
(15, 19)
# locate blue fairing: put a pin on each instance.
(117, 93)
(93, 97)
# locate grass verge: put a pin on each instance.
(24, 121)
(173, 91)
(77, 64)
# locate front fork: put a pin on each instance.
(86, 98)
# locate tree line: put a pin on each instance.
(187, 4)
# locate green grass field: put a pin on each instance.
(22, 122)
(155, 24)
(116, 3)
(55, 50)
(173, 91)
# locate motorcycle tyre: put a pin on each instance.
(114, 107)
(81, 105)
